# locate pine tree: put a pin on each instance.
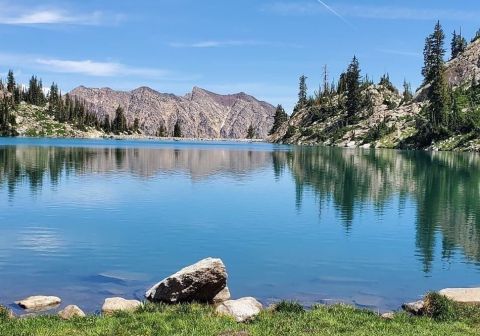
(10, 81)
(162, 131)
(136, 125)
(119, 124)
(353, 89)
(177, 131)
(434, 75)
(251, 132)
(407, 92)
(458, 44)
(302, 91)
(280, 117)
(107, 126)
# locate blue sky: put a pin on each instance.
(227, 46)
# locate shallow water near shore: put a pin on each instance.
(90, 219)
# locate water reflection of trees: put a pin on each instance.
(35, 165)
(445, 188)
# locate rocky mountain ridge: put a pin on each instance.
(200, 113)
(386, 120)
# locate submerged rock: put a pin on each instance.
(241, 310)
(415, 308)
(462, 295)
(112, 305)
(39, 302)
(70, 312)
(200, 282)
(224, 295)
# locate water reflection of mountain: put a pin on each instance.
(445, 187)
(34, 164)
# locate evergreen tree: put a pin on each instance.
(10, 81)
(136, 125)
(353, 89)
(458, 44)
(433, 72)
(251, 132)
(162, 131)
(302, 91)
(477, 36)
(177, 131)
(107, 126)
(385, 81)
(35, 95)
(407, 92)
(280, 117)
(119, 124)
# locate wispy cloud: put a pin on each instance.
(92, 68)
(14, 15)
(369, 12)
(400, 52)
(89, 67)
(231, 43)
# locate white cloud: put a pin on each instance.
(92, 68)
(370, 12)
(231, 43)
(11, 15)
(87, 67)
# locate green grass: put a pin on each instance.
(288, 320)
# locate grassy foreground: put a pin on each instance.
(289, 319)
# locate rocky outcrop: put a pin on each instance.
(39, 302)
(462, 295)
(116, 304)
(200, 114)
(70, 312)
(466, 67)
(200, 282)
(242, 310)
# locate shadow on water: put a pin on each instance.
(445, 187)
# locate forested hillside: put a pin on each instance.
(444, 113)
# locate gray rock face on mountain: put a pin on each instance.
(201, 114)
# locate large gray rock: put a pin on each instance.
(415, 308)
(462, 295)
(200, 282)
(39, 302)
(241, 310)
(116, 304)
(70, 312)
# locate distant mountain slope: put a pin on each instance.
(200, 113)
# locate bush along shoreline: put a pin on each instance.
(196, 301)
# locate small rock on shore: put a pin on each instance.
(112, 305)
(70, 312)
(39, 302)
(241, 310)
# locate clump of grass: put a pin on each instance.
(439, 307)
(4, 313)
(289, 307)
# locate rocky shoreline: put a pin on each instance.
(205, 282)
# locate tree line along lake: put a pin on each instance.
(89, 219)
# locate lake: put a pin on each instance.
(90, 219)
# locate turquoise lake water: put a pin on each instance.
(90, 219)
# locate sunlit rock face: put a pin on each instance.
(200, 113)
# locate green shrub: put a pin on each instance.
(289, 307)
(439, 307)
